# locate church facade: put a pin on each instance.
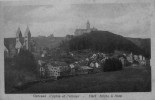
(82, 31)
(14, 45)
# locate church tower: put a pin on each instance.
(27, 39)
(88, 25)
(18, 35)
(18, 45)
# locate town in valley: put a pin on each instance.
(89, 60)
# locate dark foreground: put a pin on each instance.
(131, 79)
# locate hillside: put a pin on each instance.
(104, 41)
(144, 44)
(50, 42)
(99, 41)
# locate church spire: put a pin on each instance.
(18, 34)
(27, 32)
(88, 25)
(27, 39)
(18, 45)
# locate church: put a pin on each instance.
(14, 45)
(82, 31)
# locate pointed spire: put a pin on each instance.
(27, 32)
(88, 25)
(18, 34)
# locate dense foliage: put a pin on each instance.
(103, 41)
(112, 64)
(144, 44)
(20, 69)
(26, 61)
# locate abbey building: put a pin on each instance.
(87, 30)
(15, 44)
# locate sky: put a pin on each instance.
(131, 19)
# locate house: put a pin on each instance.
(129, 58)
(44, 53)
(122, 58)
(84, 70)
(57, 70)
(136, 57)
(73, 69)
(140, 57)
(42, 69)
(142, 60)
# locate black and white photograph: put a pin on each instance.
(76, 47)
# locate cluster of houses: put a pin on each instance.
(85, 66)
(139, 59)
(57, 69)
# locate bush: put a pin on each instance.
(23, 70)
(103, 41)
(112, 64)
(127, 63)
(26, 61)
(15, 78)
(135, 62)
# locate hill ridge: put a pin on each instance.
(105, 41)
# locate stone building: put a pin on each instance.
(82, 31)
(15, 44)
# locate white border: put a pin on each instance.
(125, 96)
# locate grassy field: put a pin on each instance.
(127, 80)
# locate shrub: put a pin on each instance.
(24, 70)
(26, 61)
(127, 63)
(112, 64)
(15, 78)
(135, 62)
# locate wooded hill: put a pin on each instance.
(144, 44)
(105, 41)
(99, 41)
(48, 42)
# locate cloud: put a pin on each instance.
(50, 13)
(129, 19)
(136, 22)
(10, 28)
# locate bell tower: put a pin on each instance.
(18, 45)
(18, 35)
(88, 25)
(27, 39)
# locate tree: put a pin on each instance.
(26, 61)
(112, 64)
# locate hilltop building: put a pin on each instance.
(15, 44)
(87, 30)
